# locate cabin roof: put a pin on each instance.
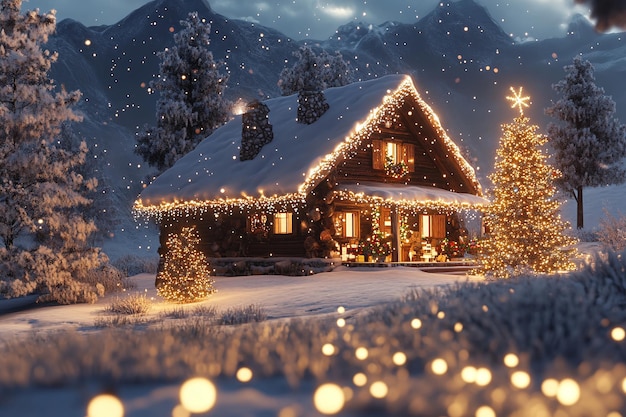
(299, 156)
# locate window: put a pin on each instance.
(347, 224)
(283, 223)
(397, 152)
(433, 226)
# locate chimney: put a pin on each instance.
(256, 130)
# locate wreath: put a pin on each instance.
(395, 170)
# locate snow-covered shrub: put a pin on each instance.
(130, 304)
(612, 232)
(240, 315)
(131, 265)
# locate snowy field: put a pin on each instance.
(407, 343)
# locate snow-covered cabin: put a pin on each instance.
(376, 163)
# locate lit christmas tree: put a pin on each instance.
(526, 233)
(185, 277)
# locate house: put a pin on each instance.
(375, 170)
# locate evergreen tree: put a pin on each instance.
(185, 275)
(191, 103)
(313, 72)
(590, 143)
(526, 233)
(43, 233)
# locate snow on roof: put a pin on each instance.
(411, 195)
(298, 157)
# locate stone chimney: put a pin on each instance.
(311, 106)
(256, 130)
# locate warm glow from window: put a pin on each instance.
(283, 223)
(393, 151)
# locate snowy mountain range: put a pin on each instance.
(462, 62)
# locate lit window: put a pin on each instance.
(347, 224)
(386, 152)
(283, 223)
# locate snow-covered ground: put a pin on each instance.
(280, 297)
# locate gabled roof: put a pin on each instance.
(297, 159)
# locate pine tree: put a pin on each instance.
(313, 72)
(185, 275)
(191, 103)
(589, 144)
(43, 233)
(526, 233)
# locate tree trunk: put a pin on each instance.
(579, 208)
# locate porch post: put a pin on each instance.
(396, 245)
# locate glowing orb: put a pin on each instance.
(511, 360)
(198, 395)
(341, 322)
(341, 309)
(439, 366)
(105, 405)
(329, 399)
(328, 349)
(485, 411)
(468, 374)
(379, 389)
(416, 323)
(618, 334)
(399, 358)
(244, 374)
(359, 379)
(550, 387)
(568, 392)
(483, 377)
(361, 353)
(520, 379)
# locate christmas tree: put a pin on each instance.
(185, 276)
(526, 233)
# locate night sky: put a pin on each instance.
(317, 19)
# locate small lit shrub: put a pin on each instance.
(612, 233)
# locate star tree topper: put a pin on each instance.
(518, 100)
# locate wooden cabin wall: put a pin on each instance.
(230, 236)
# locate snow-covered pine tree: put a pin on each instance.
(313, 72)
(191, 103)
(589, 143)
(43, 232)
(526, 233)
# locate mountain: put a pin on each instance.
(461, 59)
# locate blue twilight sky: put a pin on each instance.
(318, 19)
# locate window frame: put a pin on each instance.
(282, 223)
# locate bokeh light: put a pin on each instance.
(568, 392)
(379, 389)
(511, 360)
(550, 387)
(483, 377)
(341, 322)
(361, 353)
(399, 358)
(416, 323)
(244, 375)
(105, 405)
(439, 366)
(198, 395)
(359, 379)
(329, 399)
(328, 349)
(485, 411)
(618, 334)
(468, 374)
(520, 379)
(341, 309)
